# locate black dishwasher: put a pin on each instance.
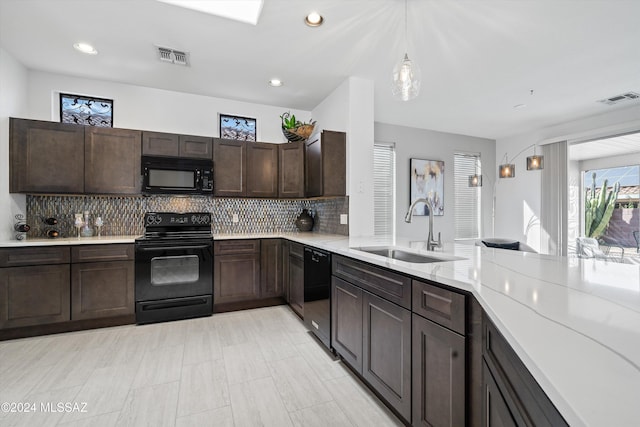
(317, 290)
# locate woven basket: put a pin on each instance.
(301, 133)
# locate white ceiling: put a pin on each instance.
(478, 58)
(616, 146)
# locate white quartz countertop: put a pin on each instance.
(575, 323)
(67, 241)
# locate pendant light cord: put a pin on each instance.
(406, 43)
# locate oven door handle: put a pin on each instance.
(170, 248)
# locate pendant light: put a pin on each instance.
(406, 74)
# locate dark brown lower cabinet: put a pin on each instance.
(285, 270)
(296, 279)
(236, 277)
(34, 295)
(497, 412)
(438, 375)
(271, 283)
(346, 322)
(508, 383)
(386, 358)
(102, 289)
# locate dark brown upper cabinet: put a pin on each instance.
(262, 170)
(325, 164)
(230, 174)
(245, 169)
(173, 145)
(111, 161)
(45, 157)
(59, 158)
(291, 170)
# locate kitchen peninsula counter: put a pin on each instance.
(574, 323)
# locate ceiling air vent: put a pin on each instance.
(629, 96)
(173, 56)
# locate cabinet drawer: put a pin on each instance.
(522, 393)
(223, 247)
(296, 249)
(37, 255)
(386, 284)
(444, 307)
(91, 253)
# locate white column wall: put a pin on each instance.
(13, 103)
(349, 108)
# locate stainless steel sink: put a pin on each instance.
(401, 255)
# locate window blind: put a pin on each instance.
(384, 163)
(467, 199)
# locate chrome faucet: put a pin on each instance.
(431, 244)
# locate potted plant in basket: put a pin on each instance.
(295, 130)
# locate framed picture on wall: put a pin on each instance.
(237, 127)
(86, 110)
(427, 181)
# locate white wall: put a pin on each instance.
(349, 108)
(518, 199)
(13, 95)
(432, 145)
(138, 107)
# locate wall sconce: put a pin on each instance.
(508, 170)
(475, 180)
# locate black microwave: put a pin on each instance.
(176, 175)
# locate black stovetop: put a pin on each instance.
(171, 225)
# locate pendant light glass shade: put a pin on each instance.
(507, 170)
(535, 163)
(406, 80)
(475, 180)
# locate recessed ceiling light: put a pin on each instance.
(313, 19)
(275, 82)
(519, 106)
(85, 48)
(247, 11)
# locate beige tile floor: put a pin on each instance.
(248, 368)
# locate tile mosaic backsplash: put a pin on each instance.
(123, 215)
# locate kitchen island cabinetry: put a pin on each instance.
(102, 281)
(173, 145)
(511, 396)
(111, 161)
(370, 332)
(439, 356)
